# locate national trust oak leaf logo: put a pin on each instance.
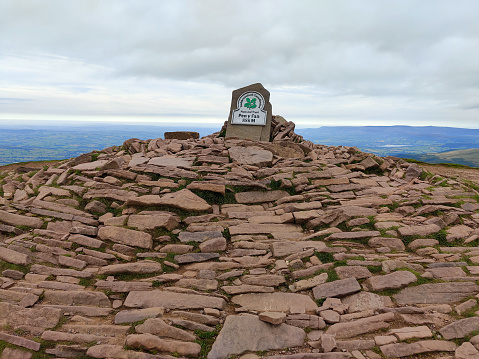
(250, 103)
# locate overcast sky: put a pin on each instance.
(325, 62)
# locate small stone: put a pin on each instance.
(330, 316)
(309, 283)
(213, 245)
(212, 311)
(467, 305)
(14, 274)
(117, 304)
(95, 207)
(273, 317)
(385, 339)
(466, 351)
(328, 342)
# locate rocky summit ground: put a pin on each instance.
(224, 248)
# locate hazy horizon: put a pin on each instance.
(187, 125)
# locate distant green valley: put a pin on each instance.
(429, 144)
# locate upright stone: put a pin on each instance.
(250, 114)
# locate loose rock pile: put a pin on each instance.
(218, 247)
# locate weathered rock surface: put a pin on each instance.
(466, 351)
(98, 299)
(275, 302)
(13, 257)
(400, 350)
(171, 300)
(144, 221)
(259, 196)
(360, 326)
(436, 293)
(242, 333)
(160, 328)
(184, 199)
(338, 288)
(152, 342)
(226, 242)
(135, 315)
(251, 156)
(394, 280)
(126, 236)
(460, 328)
(18, 317)
(364, 301)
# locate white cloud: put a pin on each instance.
(388, 62)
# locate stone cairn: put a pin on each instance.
(217, 247)
(282, 130)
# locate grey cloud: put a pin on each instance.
(415, 50)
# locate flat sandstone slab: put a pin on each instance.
(19, 220)
(460, 328)
(243, 333)
(173, 161)
(171, 300)
(42, 318)
(360, 326)
(436, 293)
(184, 199)
(400, 350)
(14, 257)
(126, 236)
(394, 280)
(260, 196)
(275, 302)
(337, 288)
(251, 156)
(248, 228)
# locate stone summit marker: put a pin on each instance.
(250, 114)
